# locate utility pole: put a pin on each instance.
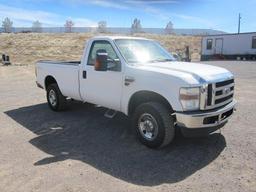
(239, 21)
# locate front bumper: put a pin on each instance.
(213, 118)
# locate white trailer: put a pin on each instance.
(229, 46)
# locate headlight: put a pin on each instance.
(189, 98)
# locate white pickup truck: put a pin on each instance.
(139, 78)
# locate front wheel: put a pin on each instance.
(153, 124)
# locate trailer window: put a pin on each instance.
(209, 44)
(254, 42)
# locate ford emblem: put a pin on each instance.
(226, 91)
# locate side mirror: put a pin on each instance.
(101, 61)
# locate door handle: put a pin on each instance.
(84, 74)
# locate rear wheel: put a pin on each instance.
(56, 101)
(153, 124)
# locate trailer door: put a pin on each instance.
(218, 45)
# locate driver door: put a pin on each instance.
(103, 87)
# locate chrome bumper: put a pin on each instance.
(206, 119)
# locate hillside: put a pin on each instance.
(27, 48)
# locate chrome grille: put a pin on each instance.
(218, 94)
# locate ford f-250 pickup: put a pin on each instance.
(139, 78)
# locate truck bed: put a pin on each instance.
(60, 62)
(66, 74)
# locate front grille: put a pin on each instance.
(220, 93)
(217, 101)
(209, 94)
(223, 83)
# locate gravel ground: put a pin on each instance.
(81, 150)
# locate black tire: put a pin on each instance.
(162, 119)
(61, 101)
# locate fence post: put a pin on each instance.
(188, 59)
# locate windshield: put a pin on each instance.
(142, 51)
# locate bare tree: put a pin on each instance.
(102, 26)
(7, 25)
(68, 26)
(136, 26)
(169, 28)
(37, 27)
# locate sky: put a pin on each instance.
(202, 14)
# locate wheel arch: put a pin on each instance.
(49, 80)
(146, 96)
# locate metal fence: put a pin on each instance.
(115, 30)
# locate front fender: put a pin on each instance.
(170, 92)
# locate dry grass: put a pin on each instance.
(28, 48)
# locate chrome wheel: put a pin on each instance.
(52, 98)
(148, 126)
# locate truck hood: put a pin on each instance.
(201, 72)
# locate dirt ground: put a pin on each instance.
(81, 150)
(27, 48)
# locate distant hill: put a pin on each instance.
(120, 30)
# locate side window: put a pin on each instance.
(97, 45)
(254, 42)
(209, 44)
